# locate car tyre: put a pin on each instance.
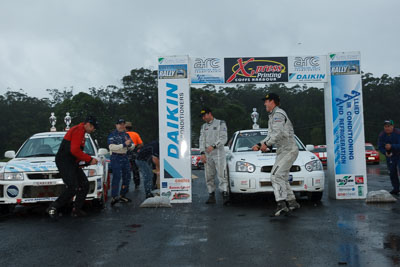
(315, 196)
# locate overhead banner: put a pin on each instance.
(207, 70)
(345, 127)
(174, 129)
(256, 69)
(307, 69)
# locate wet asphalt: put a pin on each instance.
(326, 233)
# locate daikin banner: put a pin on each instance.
(347, 126)
(174, 128)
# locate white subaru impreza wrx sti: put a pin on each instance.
(250, 171)
(31, 176)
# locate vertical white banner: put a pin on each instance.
(345, 127)
(174, 128)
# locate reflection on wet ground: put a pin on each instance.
(392, 242)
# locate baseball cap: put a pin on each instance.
(204, 111)
(271, 96)
(92, 120)
(119, 121)
(388, 122)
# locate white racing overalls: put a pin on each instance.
(214, 133)
(281, 134)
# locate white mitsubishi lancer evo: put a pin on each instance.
(250, 171)
(32, 176)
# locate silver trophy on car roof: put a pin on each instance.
(67, 120)
(53, 120)
(254, 117)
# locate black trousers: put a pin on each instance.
(76, 184)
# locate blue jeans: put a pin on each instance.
(393, 163)
(146, 175)
(120, 168)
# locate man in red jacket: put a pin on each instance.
(70, 160)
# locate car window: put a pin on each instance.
(369, 148)
(47, 146)
(246, 140)
(319, 149)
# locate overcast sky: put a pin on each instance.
(92, 43)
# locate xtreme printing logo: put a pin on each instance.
(346, 179)
(253, 67)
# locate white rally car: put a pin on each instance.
(31, 176)
(249, 171)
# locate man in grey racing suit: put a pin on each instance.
(213, 136)
(280, 134)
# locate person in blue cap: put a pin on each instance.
(119, 143)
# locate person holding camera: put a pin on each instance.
(389, 145)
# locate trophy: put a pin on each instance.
(254, 117)
(67, 120)
(53, 120)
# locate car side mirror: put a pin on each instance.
(310, 147)
(10, 154)
(103, 152)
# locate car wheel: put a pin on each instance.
(315, 196)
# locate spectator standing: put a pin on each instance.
(135, 137)
(119, 144)
(389, 145)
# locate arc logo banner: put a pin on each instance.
(174, 128)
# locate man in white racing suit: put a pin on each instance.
(213, 136)
(280, 134)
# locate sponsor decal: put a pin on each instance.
(207, 70)
(12, 191)
(32, 200)
(359, 179)
(307, 69)
(345, 180)
(345, 67)
(180, 196)
(177, 60)
(164, 184)
(172, 71)
(256, 70)
(99, 184)
(45, 183)
(344, 56)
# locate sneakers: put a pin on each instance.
(281, 208)
(52, 212)
(225, 198)
(124, 199)
(76, 212)
(211, 198)
(114, 201)
(292, 204)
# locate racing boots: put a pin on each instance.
(211, 198)
(52, 212)
(225, 198)
(293, 204)
(281, 209)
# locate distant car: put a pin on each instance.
(249, 171)
(371, 154)
(196, 158)
(320, 152)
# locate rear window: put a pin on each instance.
(319, 149)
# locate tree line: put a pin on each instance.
(136, 100)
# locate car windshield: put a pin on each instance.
(369, 148)
(47, 147)
(246, 140)
(319, 149)
(195, 152)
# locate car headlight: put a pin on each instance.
(242, 166)
(314, 165)
(91, 172)
(12, 176)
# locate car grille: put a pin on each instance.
(49, 190)
(1, 191)
(266, 183)
(44, 176)
(294, 168)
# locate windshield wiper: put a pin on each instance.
(40, 155)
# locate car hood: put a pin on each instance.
(265, 159)
(31, 165)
